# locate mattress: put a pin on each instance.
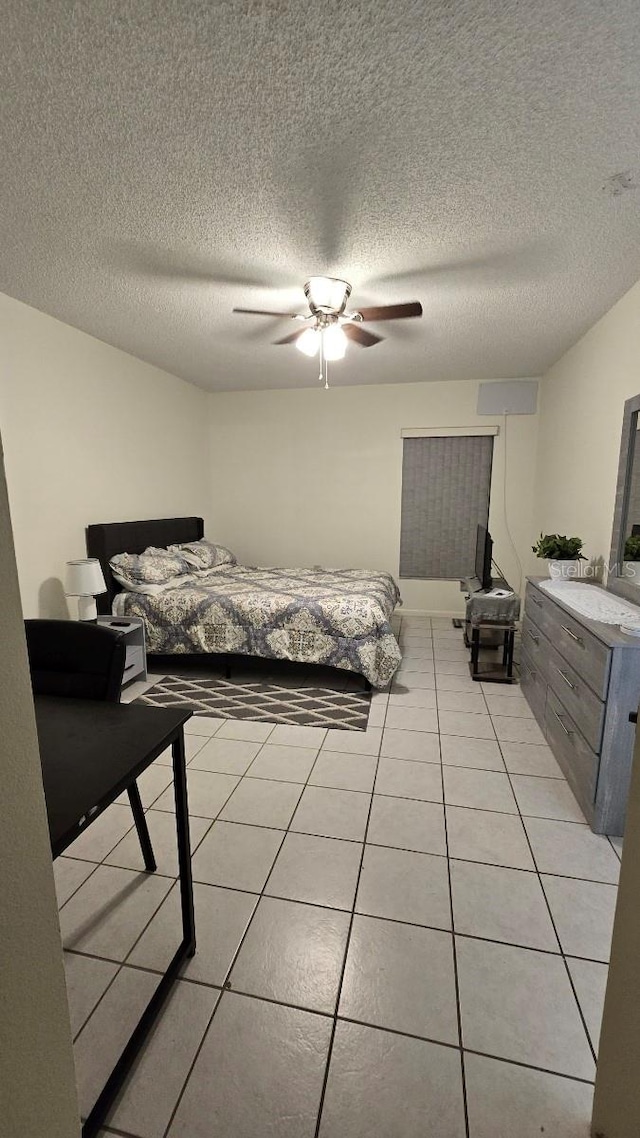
(336, 617)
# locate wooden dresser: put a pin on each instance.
(581, 679)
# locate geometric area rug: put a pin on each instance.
(263, 702)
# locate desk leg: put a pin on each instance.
(187, 948)
(184, 844)
(142, 828)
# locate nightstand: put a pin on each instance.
(132, 629)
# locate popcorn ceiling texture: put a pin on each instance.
(166, 160)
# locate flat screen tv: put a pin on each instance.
(484, 551)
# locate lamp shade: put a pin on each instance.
(334, 342)
(84, 578)
(309, 342)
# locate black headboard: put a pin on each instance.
(106, 539)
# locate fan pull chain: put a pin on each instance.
(324, 365)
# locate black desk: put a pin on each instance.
(90, 752)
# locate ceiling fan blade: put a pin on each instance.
(360, 335)
(264, 312)
(391, 311)
(291, 337)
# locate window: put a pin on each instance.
(446, 482)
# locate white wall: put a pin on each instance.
(90, 435)
(314, 477)
(581, 409)
(36, 1063)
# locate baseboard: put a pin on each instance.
(429, 612)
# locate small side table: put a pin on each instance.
(493, 673)
(487, 611)
(132, 628)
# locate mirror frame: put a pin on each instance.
(617, 584)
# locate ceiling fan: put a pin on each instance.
(328, 327)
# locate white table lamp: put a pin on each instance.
(84, 580)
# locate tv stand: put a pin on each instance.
(490, 621)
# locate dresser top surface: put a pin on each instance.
(609, 634)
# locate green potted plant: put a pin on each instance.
(631, 556)
(563, 554)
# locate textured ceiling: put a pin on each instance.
(165, 160)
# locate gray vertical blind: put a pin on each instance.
(446, 483)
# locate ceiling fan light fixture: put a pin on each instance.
(334, 342)
(327, 294)
(309, 342)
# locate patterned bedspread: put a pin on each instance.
(338, 617)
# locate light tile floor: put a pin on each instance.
(402, 931)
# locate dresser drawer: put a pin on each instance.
(579, 763)
(587, 655)
(584, 707)
(534, 604)
(535, 644)
(533, 685)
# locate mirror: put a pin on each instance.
(624, 562)
(631, 522)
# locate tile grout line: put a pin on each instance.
(124, 963)
(360, 913)
(555, 930)
(175, 879)
(561, 952)
(121, 963)
(222, 989)
(456, 977)
(376, 1027)
(96, 865)
(334, 1028)
(225, 986)
(120, 966)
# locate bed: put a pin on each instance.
(336, 617)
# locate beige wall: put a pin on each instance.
(90, 435)
(36, 1063)
(581, 408)
(314, 477)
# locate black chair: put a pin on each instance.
(81, 660)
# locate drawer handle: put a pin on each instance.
(536, 639)
(536, 601)
(566, 679)
(578, 639)
(562, 724)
